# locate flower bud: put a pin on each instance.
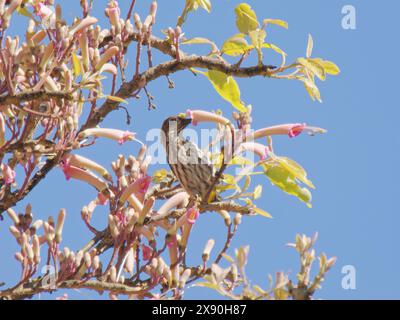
(78, 258)
(60, 225)
(226, 216)
(88, 260)
(96, 263)
(207, 250)
(110, 52)
(13, 216)
(113, 274)
(19, 257)
(184, 277)
(36, 248)
(138, 23)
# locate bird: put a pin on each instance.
(190, 165)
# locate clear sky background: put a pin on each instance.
(354, 166)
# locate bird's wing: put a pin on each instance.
(195, 156)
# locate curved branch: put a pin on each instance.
(34, 287)
(33, 95)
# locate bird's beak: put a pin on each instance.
(186, 122)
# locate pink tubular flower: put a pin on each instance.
(172, 241)
(205, 116)
(8, 173)
(83, 24)
(257, 148)
(178, 199)
(138, 188)
(85, 163)
(113, 134)
(43, 11)
(113, 12)
(83, 175)
(110, 52)
(291, 129)
(191, 215)
(147, 252)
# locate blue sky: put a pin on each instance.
(354, 166)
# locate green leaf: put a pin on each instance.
(275, 48)
(277, 22)
(236, 46)
(257, 38)
(313, 66)
(200, 40)
(246, 19)
(160, 175)
(257, 192)
(205, 4)
(285, 174)
(262, 213)
(295, 169)
(239, 160)
(194, 5)
(311, 88)
(116, 99)
(227, 88)
(330, 67)
(76, 65)
(209, 285)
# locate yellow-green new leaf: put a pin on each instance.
(160, 175)
(257, 192)
(330, 67)
(227, 88)
(76, 65)
(246, 19)
(262, 213)
(200, 40)
(277, 22)
(278, 50)
(236, 46)
(239, 160)
(205, 4)
(312, 89)
(116, 99)
(296, 170)
(313, 66)
(286, 181)
(194, 5)
(257, 38)
(209, 285)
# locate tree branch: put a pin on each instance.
(33, 95)
(35, 287)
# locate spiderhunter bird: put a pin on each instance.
(190, 165)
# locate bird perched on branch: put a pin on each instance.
(190, 165)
